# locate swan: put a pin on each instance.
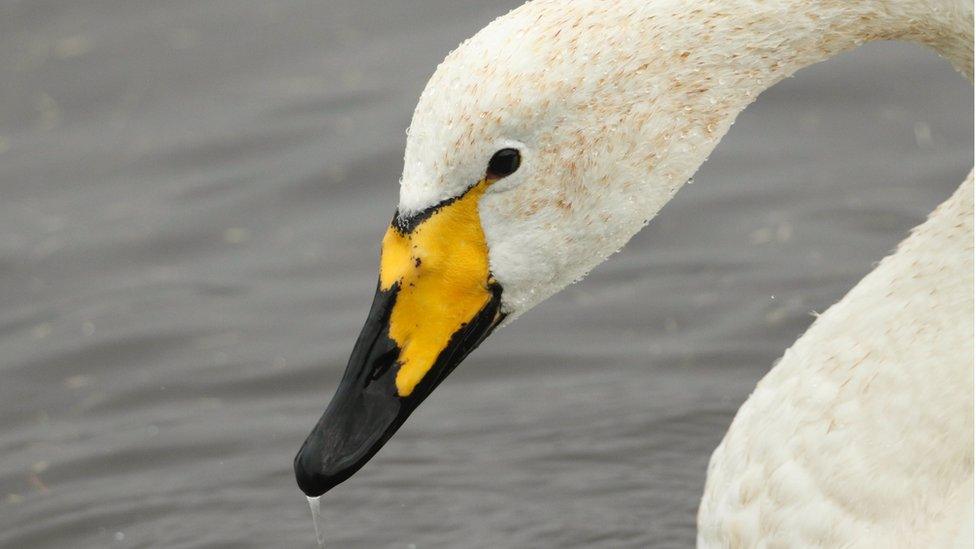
(541, 145)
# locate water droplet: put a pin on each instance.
(317, 519)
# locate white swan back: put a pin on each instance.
(863, 434)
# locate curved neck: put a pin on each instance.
(787, 35)
(756, 44)
(719, 55)
(946, 26)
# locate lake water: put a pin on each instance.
(192, 196)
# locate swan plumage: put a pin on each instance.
(861, 435)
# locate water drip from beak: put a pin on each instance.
(317, 519)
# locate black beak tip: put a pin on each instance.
(312, 477)
(310, 480)
(349, 433)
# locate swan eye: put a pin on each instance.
(504, 162)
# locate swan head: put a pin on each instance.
(538, 148)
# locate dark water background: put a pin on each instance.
(192, 196)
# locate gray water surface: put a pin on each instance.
(192, 196)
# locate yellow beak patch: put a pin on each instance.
(441, 269)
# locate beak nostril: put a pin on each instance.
(383, 364)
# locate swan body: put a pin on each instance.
(861, 435)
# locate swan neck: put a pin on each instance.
(783, 37)
(720, 55)
(945, 26)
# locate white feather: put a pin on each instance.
(862, 435)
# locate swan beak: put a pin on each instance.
(435, 302)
